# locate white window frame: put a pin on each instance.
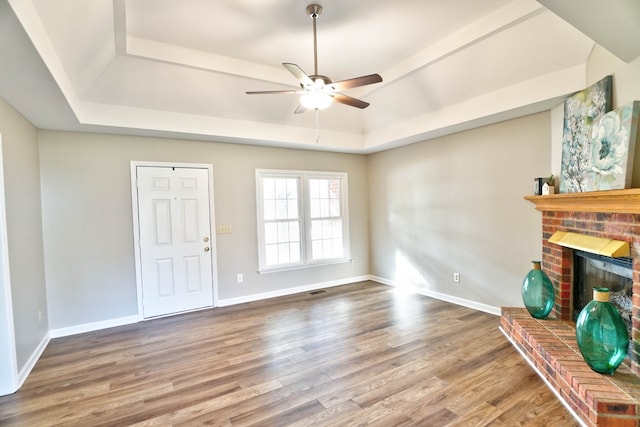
(304, 210)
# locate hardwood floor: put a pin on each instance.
(355, 355)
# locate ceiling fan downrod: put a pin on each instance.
(314, 10)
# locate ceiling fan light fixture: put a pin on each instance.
(317, 100)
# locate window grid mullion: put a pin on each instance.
(304, 207)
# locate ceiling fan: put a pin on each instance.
(318, 91)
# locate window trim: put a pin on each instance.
(304, 209)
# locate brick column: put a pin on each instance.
(557, 261)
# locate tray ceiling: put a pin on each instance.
(181, 68)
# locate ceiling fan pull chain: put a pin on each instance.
(317, 126)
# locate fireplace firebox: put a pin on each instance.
(597, 271)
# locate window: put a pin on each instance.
(302, 218)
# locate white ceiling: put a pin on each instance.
(180, 68)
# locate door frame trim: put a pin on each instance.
(134, 164)
(9, 380)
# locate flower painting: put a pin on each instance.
(611, 151)
(581, 111)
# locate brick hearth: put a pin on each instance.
(549, 345)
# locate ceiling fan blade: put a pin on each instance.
(297, 72)
(356, 82)
(348, 100)
(301, 109)
(261, 92)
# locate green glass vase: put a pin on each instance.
(601, 334)
(537, 292)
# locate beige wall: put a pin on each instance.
(24, 230)
(88, 221)
(455, 204)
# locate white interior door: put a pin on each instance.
(175, 239)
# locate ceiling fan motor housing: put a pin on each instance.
(325, 79)
(314, 10)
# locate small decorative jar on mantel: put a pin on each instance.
(549, 186)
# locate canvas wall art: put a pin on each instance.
(612, 146)
(581, 111)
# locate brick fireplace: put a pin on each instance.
(549, 345)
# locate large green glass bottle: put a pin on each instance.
(601, 333)
(537, 292)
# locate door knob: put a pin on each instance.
(206, 248)
(206, 239)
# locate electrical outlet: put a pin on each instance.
(456, 277)
(239, 278)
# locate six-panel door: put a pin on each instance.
(175, 239)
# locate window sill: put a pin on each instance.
(269, 270)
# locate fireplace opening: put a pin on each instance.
(596, 271)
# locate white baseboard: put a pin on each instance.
(223, 302)
(33, 359)
(94, 326)
(290, 291)
(444, 297)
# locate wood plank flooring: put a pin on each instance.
(354, 355)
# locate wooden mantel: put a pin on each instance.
(615, 201)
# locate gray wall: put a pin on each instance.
(626, 88)
(24, 224)
(455, 204)
(451, 204)
(626, 76)
(88, 224)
